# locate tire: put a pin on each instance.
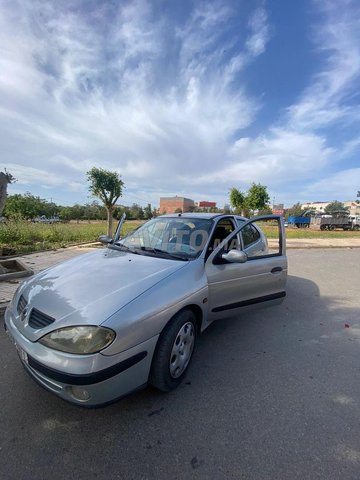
(356, 228)
(173, 352)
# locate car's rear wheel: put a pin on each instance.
(174, 351)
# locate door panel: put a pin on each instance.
(259, 280)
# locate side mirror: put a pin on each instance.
(105, 239)
(234, 256)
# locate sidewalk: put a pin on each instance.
(41, 260)
(322, 243)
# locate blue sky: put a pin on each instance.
(182, 97)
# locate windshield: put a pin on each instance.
(175, 237)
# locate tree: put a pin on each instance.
(227, 210)
(25, 206)
(257, 197)
(137, 211)
(214, 210)
(108, 187)
(65, 213)
(5, 178)
(118, 212)
(295, 211)
(148, 212)
(265, 211)
(336, 208)
(237, 200)
(77, 212)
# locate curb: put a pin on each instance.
(317, 247)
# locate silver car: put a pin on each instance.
(94, 328)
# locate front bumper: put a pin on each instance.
(87, 380)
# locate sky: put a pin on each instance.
(181, 97)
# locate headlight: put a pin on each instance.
(79, 340)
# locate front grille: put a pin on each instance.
(39, 319)
(21, 304)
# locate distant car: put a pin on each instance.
(45, 219)
(99, 326)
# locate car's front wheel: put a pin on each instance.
(174, 351)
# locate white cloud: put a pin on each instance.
(279, 155)
(72, 122)
(344, 183)
(326, 100)
(164, 102)
(260, 34)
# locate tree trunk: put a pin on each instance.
(3, 190)
(109, 212)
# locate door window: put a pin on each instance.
(222, 230)
(262, 238)
(250, 235)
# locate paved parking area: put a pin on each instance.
(274, 394)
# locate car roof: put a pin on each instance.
(193, 215)
(203, 215)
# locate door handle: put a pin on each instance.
(276, 270)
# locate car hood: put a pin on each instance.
(91, 287)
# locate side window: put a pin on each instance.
(263, 240)
(227, 224)
(222, 230)
(250, 235)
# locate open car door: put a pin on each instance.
(248, 268)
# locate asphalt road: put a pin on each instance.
(274, 394)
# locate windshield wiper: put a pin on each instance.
(164, 252)
(123, 248)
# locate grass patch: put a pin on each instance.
(296, 233)
(25, 237)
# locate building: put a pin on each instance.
(278, 209)
(319, 207)
(205, 205)
(176, 204)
